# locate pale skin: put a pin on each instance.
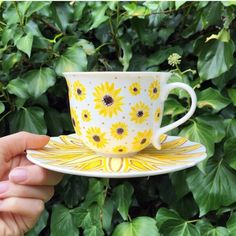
(24, 187)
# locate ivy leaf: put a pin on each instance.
(212, 98)
(98, 16)
(143, 225)
(36, 6)
(107, 212)
(74, 59)
(122, 196)
(40, 225)
(95, 192)
(29, 119)
(215, 58)
(86, 217)
(39, 81)
(232, 95)
(18, 87)
(200, 132)
(2, 107)
(173, 107)
(230, 126)
(207, 229)
(216, 123)
(211, 189)
(230, 152)
(127, 52)
(62, 222)
(62, 13)
(231, 224)
(178, 4)
(170, 223)
(87, 46)
(9, 60)
(93, 231)
(73, 190)
(218, 231)
(25, 43)
(10, 15)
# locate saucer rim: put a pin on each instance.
(97, 174)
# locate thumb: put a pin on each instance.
(16, 144)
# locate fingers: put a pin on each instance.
(8, 189)
(34, 175)
(31, 208)
(15, 144)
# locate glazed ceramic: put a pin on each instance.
(119, 113)
(67, 154)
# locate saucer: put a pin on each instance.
(67, 154)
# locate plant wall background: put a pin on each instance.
(40, 40)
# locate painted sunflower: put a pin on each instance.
(157, 114)
(154, 90)
(75, 121)
(79, 91)
(107, 99)
(119, 149)
(119, 130)
(135, 88)
(96, 137)
(142, 140)
(139, 112)
(86, 115)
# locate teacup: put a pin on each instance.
(120, 113)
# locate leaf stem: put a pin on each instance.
(18, 13)
(129, 218)
(193, 221)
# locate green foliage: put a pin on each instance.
(41, 40)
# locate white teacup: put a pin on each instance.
(119, 113)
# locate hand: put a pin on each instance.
(24, 187)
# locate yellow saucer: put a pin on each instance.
(68, 155)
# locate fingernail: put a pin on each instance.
(3, 187)
(18, 175)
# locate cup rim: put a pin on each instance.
(118, 73)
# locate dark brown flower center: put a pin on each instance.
(79, 91)
(85, 115)
(108, 100)
(120, 150)
(96, 138)
(158, 114)
(143, 141)
(140, 113)
(73, 122)
(120, 131)
(155, 90)
(135, 89)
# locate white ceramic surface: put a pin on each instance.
(119, 113)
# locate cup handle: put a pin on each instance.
(167, 89)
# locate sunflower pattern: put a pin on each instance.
(139, 113)
(120, 149)
(107, 99)
(119, 130)
(142, 140)
(86, 115)
(96, 137)
(135, 88)
(75, 121)
(157, 114)
(154, 90)
(79, 91)
(69, 155)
